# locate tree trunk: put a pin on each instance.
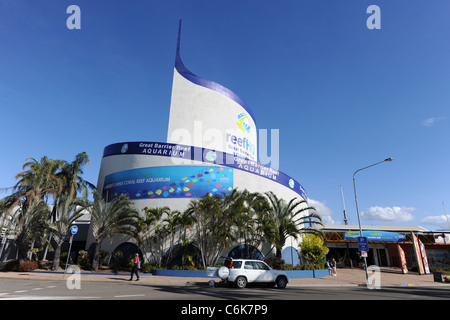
(44, 257)
(95, 260)
(30, 251)
(278, 253)
(57, 257)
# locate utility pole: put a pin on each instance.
(357, 209)
(347, 251)
(343, 203)
(443, 204)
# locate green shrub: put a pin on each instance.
(63, 260)
(288, 267)
(184, 267)
(83, 260)
(146, 267)
(116, 260)
(312, 266)
(103, 255)
(308, 266)
(444, 268)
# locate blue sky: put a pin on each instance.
(343, 96)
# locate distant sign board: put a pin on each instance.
(376, 236)
(74, 230)
(363, 245)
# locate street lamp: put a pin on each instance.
(357, 210)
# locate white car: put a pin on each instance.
(243, 271)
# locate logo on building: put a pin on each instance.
(243, 123)
(211, 156)
(291, 183)
(124, 148)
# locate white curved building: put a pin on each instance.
(211, 148)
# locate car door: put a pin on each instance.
(252, 271)
(266, 274)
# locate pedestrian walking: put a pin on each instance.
(333, 267)
(135, 268)
(329, 266)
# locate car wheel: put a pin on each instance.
(241, 282)
(281, 282)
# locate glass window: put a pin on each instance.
(262, 266)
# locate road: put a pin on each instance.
(35, 289)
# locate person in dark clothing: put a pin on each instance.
(135, 268)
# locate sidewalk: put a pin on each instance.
(345, 277)
(357, 277)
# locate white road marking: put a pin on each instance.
(47, 298)
(130, 295)
(12, 297)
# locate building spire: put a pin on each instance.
(179, 39)
(179, 65)
(186, 73)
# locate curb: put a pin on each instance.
(90, 273)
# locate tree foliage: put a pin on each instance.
(49, 196)
(313, 249)
(109, 219)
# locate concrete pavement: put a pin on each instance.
(345, 277)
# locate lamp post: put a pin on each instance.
(357, 210)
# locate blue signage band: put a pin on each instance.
(206, 156)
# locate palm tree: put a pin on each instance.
(185, 222)
(25, 225)
(150, 234)
(200, 210)
(171, 223)
(254, 221)
(109, 219)
(37, 180)
(34, 184)
(175, 225)
(70, 180)
(67, 211)
(288, 219)
(214, 225)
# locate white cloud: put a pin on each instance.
(389, 214)
(322, 210)
(439, 221)
(431, 121)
